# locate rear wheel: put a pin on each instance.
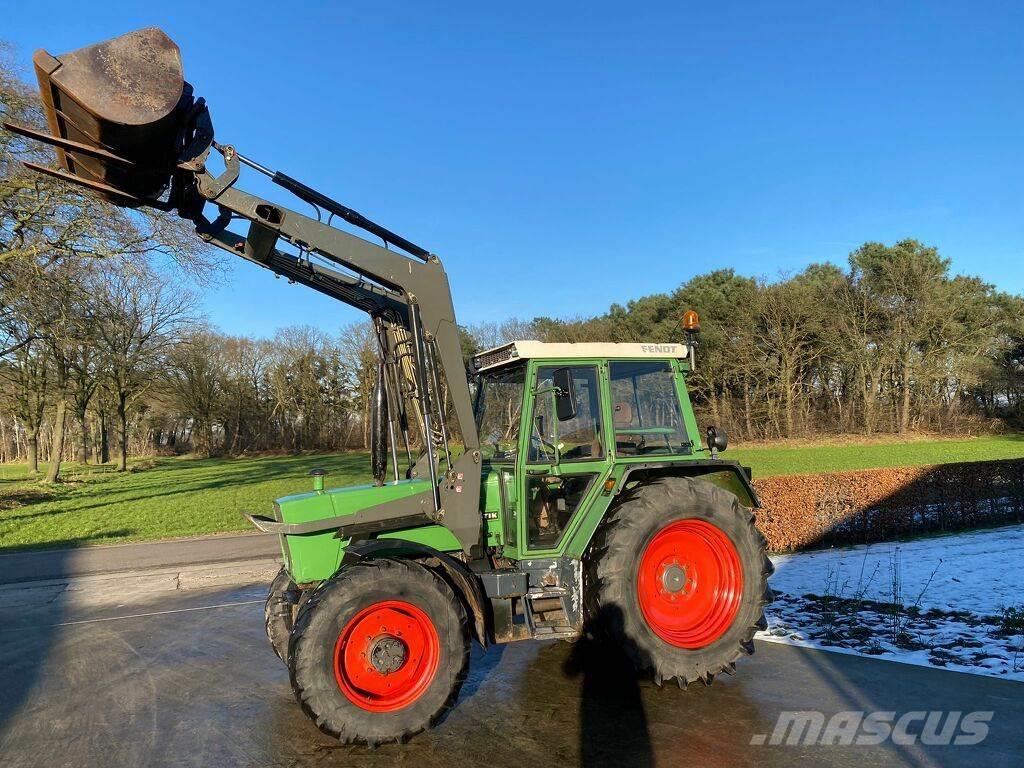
(678, 576)
(379, 652)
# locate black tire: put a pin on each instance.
(333, 607)
(279, 612)
(614, 612)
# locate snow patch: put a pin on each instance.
(935, 601)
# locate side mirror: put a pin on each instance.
(718, 440)
(565, 396)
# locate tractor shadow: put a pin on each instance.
(30, 617)
(613, 723)
(482, 665)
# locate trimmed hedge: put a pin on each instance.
(807, 511)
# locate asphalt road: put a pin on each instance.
(188, 680)
(86, 561)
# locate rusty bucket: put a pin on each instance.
(116, 111)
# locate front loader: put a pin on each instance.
(553, 490)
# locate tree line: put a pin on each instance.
(892, 343)
(103, 354)
(105, 358)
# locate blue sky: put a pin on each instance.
(562, 156)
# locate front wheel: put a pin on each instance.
(279, 612)
(678, 577)
(379, 652)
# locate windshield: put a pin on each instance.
(499, 404)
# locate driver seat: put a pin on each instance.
(622, 416)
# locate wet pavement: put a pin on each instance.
(189, 680)
(32, 565)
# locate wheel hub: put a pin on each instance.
(675, 578)
(388, 655)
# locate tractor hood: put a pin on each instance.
(320, 505)
(315, 556)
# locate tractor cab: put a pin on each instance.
(561, 425)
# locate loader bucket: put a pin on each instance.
(116, 111)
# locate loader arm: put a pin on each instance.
(402, 294)
(145, 143)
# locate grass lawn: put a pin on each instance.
(172, 497)
(767, 460)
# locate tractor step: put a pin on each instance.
(554, 632)
(537, 594)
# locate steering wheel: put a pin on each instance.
(539, 445)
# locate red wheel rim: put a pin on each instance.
(386, 656)
(690, 583)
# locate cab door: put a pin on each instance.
(564, 458)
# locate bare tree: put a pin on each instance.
(359, 350)
(196, 377)
(67, 332)
(84, 362)
(247, 405)
(26, 365)
(137, 314)
(25, 372)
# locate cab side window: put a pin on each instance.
(578, 438)
(645, 409)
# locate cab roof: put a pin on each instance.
(524, 350)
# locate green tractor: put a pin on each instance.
(553, 490)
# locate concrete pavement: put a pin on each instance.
(159, 663)
(189, 680)
(126, 573)
(52, 564)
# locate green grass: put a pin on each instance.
(174, 497)
(166, 498)
(768, 460)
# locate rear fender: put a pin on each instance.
(728, 475)
(463, 581)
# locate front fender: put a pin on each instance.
(457, 575)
